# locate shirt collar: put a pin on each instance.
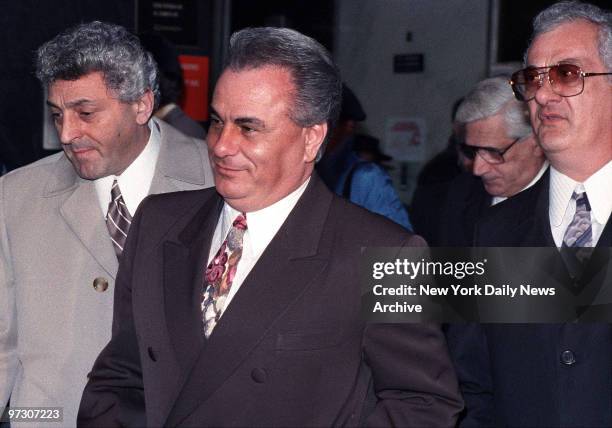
(597, 187)
(135, 181)
(498, 199)
(263, 224)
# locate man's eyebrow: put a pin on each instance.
(241, 120)
(571, 60)
(250, 121)
(71, 104)
(213, 112)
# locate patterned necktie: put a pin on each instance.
(118, 219)
(220, 274)
(578, 238)
(579, 233)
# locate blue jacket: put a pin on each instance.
(370, 185)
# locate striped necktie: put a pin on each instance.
(118, 219)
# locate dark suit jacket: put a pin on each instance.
(532, 374)
(291, 348)
(466, 201)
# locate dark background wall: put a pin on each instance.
(314, 17)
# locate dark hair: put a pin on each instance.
(128, 70)
(316, 77)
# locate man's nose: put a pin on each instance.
(68, 129)
(480, 166)
(545, 92)
(223, 142)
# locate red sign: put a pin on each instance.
(195, 75)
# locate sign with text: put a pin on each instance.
(195, 74)
(505, 285)
(405, 138)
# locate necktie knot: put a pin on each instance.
(582, 201)
(118, 219)
(115, 191)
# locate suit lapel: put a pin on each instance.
(598, 263)
(543, 236)
(605, 240)
(81, 211)
(184, 262)
(284, 271)
(533, 224)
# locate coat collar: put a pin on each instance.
(180, 166)
(81, 212)
(532, 224)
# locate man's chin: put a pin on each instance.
(86, 172)
(551, 137)
(89, 176)
(230, 191)
(493, 189)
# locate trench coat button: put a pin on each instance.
(100, 284)
(568, 358)
(259, 375)
(151, 353)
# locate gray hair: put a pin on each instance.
(569, 11)
(128, 70)
(315, 76)
(491, 97)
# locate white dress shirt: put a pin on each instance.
(262, 225)
(562, 207)
(135, 181)
(498, 199)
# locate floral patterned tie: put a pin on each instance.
(220, 274)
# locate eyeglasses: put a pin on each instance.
(566, 80)
(491, 155)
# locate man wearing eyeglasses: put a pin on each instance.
(553, 374)
(497, 136)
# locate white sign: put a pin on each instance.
(405, 138)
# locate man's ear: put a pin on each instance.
(314, 137)
(144, 107)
